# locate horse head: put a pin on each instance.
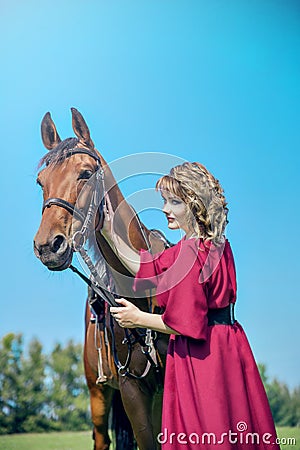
(66, 169)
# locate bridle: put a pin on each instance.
(80, 237)
(95, 282)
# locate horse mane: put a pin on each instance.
(60, 153)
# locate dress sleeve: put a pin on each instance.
(175, 274)
(187, 304)
(186, 309)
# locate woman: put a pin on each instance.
(213, 395)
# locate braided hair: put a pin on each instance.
(203, 194)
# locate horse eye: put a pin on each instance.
(85, 175)
(39, 183)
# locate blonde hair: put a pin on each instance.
(203, 194)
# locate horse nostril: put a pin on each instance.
(58, 243)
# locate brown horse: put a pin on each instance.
(67, 167)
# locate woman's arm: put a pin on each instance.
(129, 316)
(128, 255)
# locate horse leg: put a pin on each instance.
(138, 406)
(100, 395)
(100, 398)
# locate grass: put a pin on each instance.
(82, 440)
(284, 433)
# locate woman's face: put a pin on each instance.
(175, 210)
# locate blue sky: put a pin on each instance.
(216, 82)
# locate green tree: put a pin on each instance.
(22, 390)
(295, 405)
(34, 393)
(11, 348)
(39, 393)
(285, 405)
(280, 403)
(68, 395)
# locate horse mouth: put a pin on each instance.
(62, 263)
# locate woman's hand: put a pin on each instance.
(128, 315)
(107, 226)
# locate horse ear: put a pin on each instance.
(81, 129)
(50, 136)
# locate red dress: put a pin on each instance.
(213, 395)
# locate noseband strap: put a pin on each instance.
(63, 204)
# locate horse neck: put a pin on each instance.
(128, 226)
(130, 230)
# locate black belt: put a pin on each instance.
(221, 316)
